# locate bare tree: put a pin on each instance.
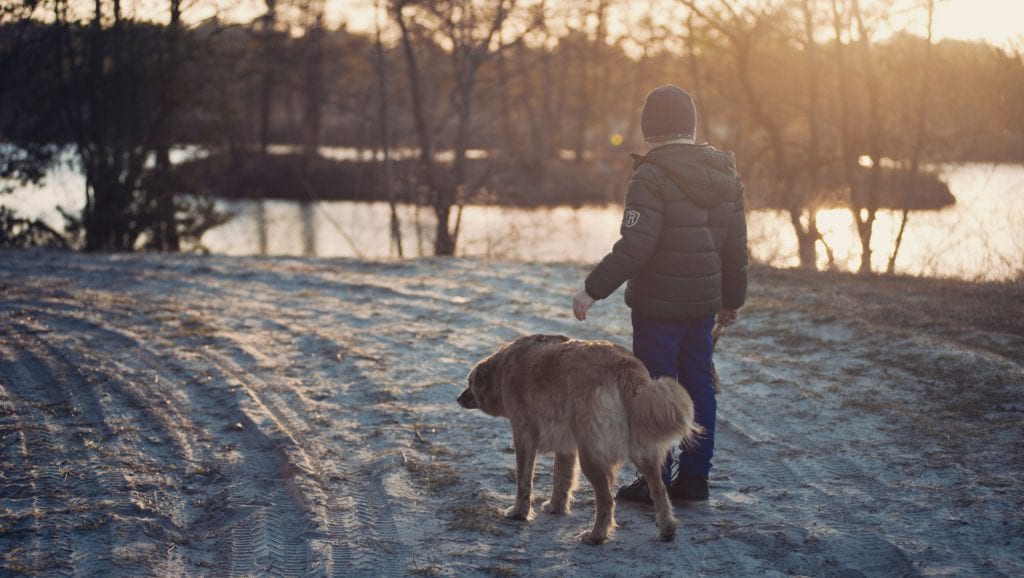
(745, 27)
(114, 128)
(381, 67)
(471, 29)
(914, 180)
(590, 53)
(313, 79)
(812, 74)
(848, 21)
(165, 230)
(268, 34)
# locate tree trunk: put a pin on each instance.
(540, 129)
(263, 239)
(267, 77)
(584, 106)
(314, 89)
(891, 268)
(385, 137)
(308, 216)
(508, 131)
(861, 195)
(444, 245)
(703, 110)
(806, 237)
(865, 218)
(920, 139)
(448, 196)
(419, 114)
(813, 92)
(108, 227)
(165, 233)
(868, 204)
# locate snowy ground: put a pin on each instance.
(183, 415)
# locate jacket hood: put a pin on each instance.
(707, 175)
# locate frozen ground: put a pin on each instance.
(183, 415)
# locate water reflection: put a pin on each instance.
(981, 237)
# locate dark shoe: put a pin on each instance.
(635, 492)
(690, 488)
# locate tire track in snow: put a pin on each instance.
(753, 447)
(272, 551)
(849, 496)
(144, 388)
(360, 524)
(280, 537)
(281, 547)
(276, 537)
(155, 394)
(910, 515)
(50, 423)
(271, 539)
(268, 536)
(361, 532)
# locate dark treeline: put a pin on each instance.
(824, 105)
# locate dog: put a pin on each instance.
(588, 402)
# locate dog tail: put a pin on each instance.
(662, 410)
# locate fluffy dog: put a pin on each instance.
(590, 401)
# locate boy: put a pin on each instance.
(683, 252)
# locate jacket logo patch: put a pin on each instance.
(631, 219)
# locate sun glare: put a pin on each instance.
(997, 21)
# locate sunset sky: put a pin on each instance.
(998, 21)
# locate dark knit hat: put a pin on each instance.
(669, 113)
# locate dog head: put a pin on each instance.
(482, 392)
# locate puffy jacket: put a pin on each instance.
(684, 236)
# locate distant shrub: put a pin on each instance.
(17, 232)
(499, 181)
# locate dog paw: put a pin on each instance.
(594, 539)
(667, 536)
(553, 508)
(514, 513)
(667, 528)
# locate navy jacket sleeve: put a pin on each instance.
(641, 227)
(734, 259)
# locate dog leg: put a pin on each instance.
(526, 458)
(667, 523)
(563, 484)
(602, 477)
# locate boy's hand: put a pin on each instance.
(727, 317)
(581, 303)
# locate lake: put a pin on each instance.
(979, 238)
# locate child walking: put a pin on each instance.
(683, 257)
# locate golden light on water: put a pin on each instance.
(837, 228)
(840, 233)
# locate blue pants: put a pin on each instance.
(682, 350)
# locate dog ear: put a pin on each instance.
(483, 373)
